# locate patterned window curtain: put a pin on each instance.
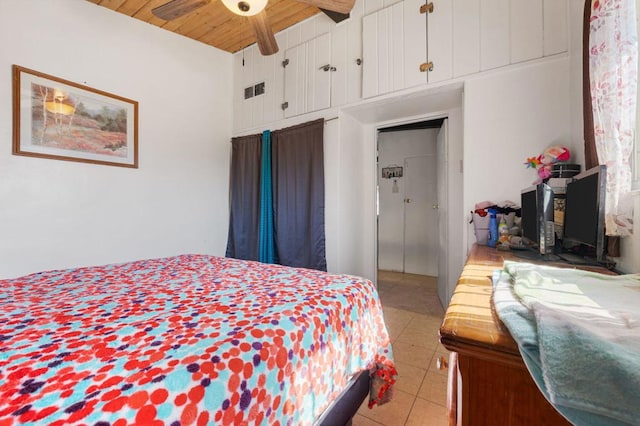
(613, 63)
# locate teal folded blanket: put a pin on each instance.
(579, 335)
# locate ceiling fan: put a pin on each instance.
(255, 13)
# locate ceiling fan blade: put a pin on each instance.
(177, 8)
(340, 6)
(264, 35)
(335, 16)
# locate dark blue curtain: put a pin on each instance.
(298, 195)
(277, 197)
(244, 193)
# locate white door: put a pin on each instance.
(443, 223)
(421, 235)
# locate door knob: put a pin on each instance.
(435, 206)
(407, 200)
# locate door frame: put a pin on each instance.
(376, 129)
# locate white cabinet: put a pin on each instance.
(555, 26)
(381, 47)
(346, 57)
(400, 40)
(439, 41)
(494, 34)
(466, 40)
(513, 31)
(307, 76)
(258, 87)
(526, 30)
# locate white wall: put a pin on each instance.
(56, 214)
(350, 207)
(393, 148)
(511, 115)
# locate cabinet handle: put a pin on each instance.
(427, 66)
(428, 7)
(358, 61)
(325, 68)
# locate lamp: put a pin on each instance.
(245, 7)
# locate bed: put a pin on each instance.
(191, 339)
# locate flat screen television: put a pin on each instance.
(584, 230)
(538, 227)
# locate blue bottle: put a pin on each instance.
(493, 228)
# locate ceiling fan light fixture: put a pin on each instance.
(245, 7)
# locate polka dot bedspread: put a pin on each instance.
(190, 339)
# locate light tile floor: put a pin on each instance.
(413, 315)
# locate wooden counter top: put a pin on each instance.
(470, 326)
(489, 383)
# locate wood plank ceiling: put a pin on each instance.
(214, 24)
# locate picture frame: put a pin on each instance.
(392, 172)
(59, 119)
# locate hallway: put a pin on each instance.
(413, 315)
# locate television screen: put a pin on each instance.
(537, 217)
(584, 213)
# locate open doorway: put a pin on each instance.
(411, 203)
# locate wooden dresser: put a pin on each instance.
(488, 381)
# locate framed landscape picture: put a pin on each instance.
(59, 119)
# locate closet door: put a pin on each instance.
(421, 236)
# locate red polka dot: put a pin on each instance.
(281, 358)
(146, 415)
(115, 405)
(236, 365)
(248, 370)
(138, 399)
(233, 383)
(203, 418)
(189, 414)
(196, 394)
(180, 399)
(159, 396)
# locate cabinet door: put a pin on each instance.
(257, 71)
(526, 30)
(370, 55)
(415, 41)
(295, 81)
(466, 40)
(494, 34)
(555, 26)
(318, 73)
(354, 67)
(274, 83)
(439, 41)
(339, 53)
(396, 45)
